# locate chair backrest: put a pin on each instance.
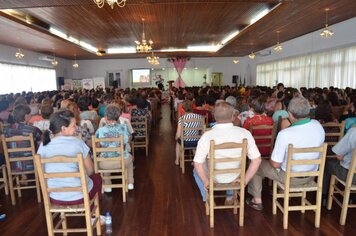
(264, 136)
(333, 134)
(303, 162)
(44, 177)
(139, 124)
(114, 149)
(192, 129)
(239, 157)
(352, 170)
(19, 152)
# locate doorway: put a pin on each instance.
(217, 78)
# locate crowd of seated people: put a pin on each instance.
(58, 119)
(261, 105)
(250, 106)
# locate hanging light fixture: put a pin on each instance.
(19, 55)
(75, 64)
(153, 60)
(54, 62)
(278, 47)
(252, 55)
(235, 61)
(144, 45)
(111, 3)
(327, 32)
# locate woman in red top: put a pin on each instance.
(260, 118)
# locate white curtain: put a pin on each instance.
(332, 68)
(17, 78)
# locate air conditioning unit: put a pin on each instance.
(264, 53)
(46, 58)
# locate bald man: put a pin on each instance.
(224, 131)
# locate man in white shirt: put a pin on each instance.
(303, 132)
(340, 166)
(223, 132)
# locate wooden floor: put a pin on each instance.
(166, 202)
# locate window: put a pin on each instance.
(18, 78)
(332, 68)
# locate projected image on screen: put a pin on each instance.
(141, 77)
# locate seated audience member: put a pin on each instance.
(188, 108)
(188, 97)
(324, 113)
(303, 132)
(35, 113)
(223, 132)
(199, 109)
(125, 113)
(260, 118)
(85, 113)
(46, 112)
(233, 102)
(86, 137)
(349, 110)
(64, 143)
(21, 115)
(114, 129)
(4, 110)
(140, 110)
(106, 101)
(340, 166)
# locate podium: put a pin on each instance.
(170, 84)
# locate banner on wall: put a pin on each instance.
(99, 82)
(87, 84)
(77, 84)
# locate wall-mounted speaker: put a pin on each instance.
(235, 78)
(60, 81)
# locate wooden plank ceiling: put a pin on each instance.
(169, 23)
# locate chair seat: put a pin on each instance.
(353, 186)
(67, 208)
(310, 186)
(227, 186)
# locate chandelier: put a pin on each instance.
(111, 3)
(144, 45)
(278, 46)
(153, 60)
(235, 61)
(252, 56)
(327, 32)
(75, 64)
(54, 62)
(19, 55)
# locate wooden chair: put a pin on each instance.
(198, 130)
(241, 149)
(56, 215)
(4, 180)
(289, 191)
(14, 149)
(141, 136)
(113, 174)
(345, 193)
(264, 136)
(333, 134)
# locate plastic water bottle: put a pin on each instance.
(108, 223)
